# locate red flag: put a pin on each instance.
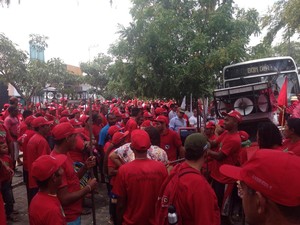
(282, 97)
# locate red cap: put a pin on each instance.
(63, 130)
(45, 166)
(221, 123)
(147, 115)
(244, 135)
(210, 125)
(65, 113)
(235, 114)
(64, 119)
(75, 111)
(270, 172)
(140, 140)
(118, 136)
(75, 122)
(113, 129)
(147, 123)
(51, 108)
(40, 121)
(29, 120)
(162, 119)
(84, 118)
(159, 110)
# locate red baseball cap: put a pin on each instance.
(29, 120)
(270, 172)
(125, 116)
(113, 129)
(221, 123)
(147, 123)
(84, 118)
(159, 110)
(75, 122)
(63, 130)
(162, 119)
(235, 114)
(147, 115)
(140, 140)
(40, 121)
(118, 136)
(65, 113)
(210, 125)
(244, 135)
(45, 166)
(75, 111)
(64, 119)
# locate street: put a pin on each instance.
(101, 202)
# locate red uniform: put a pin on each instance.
(170, 142)
(37, 146)
(71, 181)
(23, 140)
(76, 154)
(230, 145)
(139, 183)
(46, 209)
(197, 205)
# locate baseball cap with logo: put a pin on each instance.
(244, 135)
(210, 125)
(45, 166)
(40, 121)
(162, 119)
(235, 114)
(63, 130)
(140, 140)
(118, 137)
(270, 173)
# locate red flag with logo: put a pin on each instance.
(282, 97)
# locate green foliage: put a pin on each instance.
(39, 42)
(97, 73)
(174, 47)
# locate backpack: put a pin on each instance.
(168, 193)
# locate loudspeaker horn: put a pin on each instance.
(244, 106)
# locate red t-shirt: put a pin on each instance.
(170, 142)
(76, 154)
(37, 146)
(96, 131)
(139, 182)
(70, 179)
(46, 209)
(13, 125)
(230, 145)
(23, 140)
(23, 128)
(291, 147)
(197, 205)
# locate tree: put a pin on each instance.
(173, 48)
(97, 73)
(283, 16)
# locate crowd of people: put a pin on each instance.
(154, 173)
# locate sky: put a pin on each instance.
(77, 29)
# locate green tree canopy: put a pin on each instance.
(173, 48)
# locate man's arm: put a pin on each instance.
(219, 156)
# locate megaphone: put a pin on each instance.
(244, 106)
(262, 102)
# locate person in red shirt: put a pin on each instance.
(193, 205)
(69, 192)
(210, 130)
(137, 184)
(292, 135)
(132, 122)
(268, 185)
(45, 207)
(37, 146)
(169, 140)
(229, 145)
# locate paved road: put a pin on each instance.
(101, 202)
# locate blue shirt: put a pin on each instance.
(102, 135)
(175, 123)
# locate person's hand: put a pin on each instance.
(92, 184)
(90, 162)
